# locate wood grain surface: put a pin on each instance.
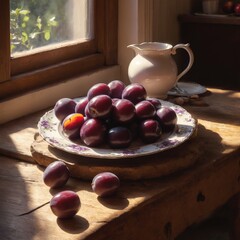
(159, 208)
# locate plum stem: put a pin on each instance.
(34, 209)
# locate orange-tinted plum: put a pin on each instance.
(71, 125)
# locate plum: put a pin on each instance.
(145, 109)
(116, 88)
(135, 93)
(65, 204)
(71, 125)
(105, 184)
(100, 106)
(155, 102)
(150, 130)
(123, 111)
(64, 107)
(93, 132)
(167, 118)
(119, 137)
(80, 106)
(98, 89)
(56, 174)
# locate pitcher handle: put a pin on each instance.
(191, 58)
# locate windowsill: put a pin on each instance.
(46, 97)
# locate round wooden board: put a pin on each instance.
(147, 167)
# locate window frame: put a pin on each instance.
(23, 73)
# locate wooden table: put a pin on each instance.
(144, 209)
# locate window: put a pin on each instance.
(87, 41)
(34, 24)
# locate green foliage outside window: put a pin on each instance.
(36, 23)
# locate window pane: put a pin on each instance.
(35, 24)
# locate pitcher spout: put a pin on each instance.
(139, 48)
(133, 46)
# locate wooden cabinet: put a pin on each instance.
(215, 42)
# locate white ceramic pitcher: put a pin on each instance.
(154, 67)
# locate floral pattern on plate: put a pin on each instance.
(48, 127)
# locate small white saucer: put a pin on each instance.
(187, 89)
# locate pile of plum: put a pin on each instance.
(66, 203)
(115, 114)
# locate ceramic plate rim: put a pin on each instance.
(48, 129)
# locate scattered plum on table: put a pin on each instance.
(105, 184)
(56, 174)
(65, 204)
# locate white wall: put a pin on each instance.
(128, 34)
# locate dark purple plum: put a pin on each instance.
(123, 111)
(56, 174)
(105, 184)
(119, 137)
(64, 107)
(65, 204)
(93, 132)
(155, 102)
(87, 114)
(135, 93)
(116, 88)
(100, 106)
(150, 130)
(145, 109)
(98, 89)
(114, 100)
(167, 118)
(80, 106)
(134, 129)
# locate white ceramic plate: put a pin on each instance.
(49, 129)
(188, 89)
